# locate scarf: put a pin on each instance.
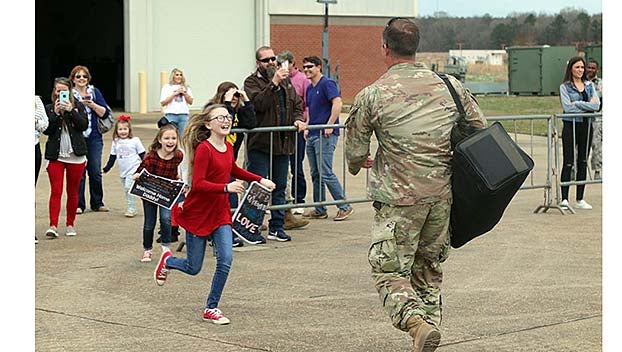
(65, 143)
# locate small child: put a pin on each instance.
(205, 213)
(130, 151)
(162, 160)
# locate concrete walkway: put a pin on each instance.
(532, 284)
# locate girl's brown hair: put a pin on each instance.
(123, 119)
(568, 73)
(155, 145)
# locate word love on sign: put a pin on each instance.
(249, 215)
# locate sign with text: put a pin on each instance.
(156, 189)
(248, 217)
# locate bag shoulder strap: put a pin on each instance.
(454, 95)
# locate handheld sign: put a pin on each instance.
(157, 189)
(248, 217)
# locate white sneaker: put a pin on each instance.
(71, 231)
(583, 205)
(298, 211)
(564, 204)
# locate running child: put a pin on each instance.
(206, 211)
(130, 151)
(162, 160)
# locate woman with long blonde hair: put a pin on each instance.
(176, 98)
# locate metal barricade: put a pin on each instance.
(294, 204)
(543, 177)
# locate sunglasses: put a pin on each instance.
(268, 59)
(222, 118)
(308, 67)
(81, 76)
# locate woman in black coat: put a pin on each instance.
(65, 152)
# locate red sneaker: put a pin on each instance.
(215, 316)
(161, 271)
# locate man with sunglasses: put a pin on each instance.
(276, 104)
(411, 112)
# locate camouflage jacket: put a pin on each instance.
(411, 113)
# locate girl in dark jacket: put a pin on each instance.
(65, 152)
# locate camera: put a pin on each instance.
(236, 94)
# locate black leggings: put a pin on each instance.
(37, 161)
(579, 135)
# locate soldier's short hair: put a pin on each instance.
(401, 36)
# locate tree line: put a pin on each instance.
(569, 27)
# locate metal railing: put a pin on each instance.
(545, 177)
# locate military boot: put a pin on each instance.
(292, 222)
(426, 337)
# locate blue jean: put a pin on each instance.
(151, 214)
(94, 145)
(328, 179)
(195, 247)
(180, 120)
(259, 163)
(299, 184)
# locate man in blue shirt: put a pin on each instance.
(324, 102)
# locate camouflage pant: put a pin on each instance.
(597, 144)
(408, 245)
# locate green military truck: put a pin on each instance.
(457, 67)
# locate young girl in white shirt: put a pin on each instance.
(130, 152)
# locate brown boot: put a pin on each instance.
(292, 222)
(426, 337)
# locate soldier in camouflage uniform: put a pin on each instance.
(411, 112)
(597, 123)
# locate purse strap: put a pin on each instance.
(454, 95)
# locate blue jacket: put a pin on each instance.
(572, 100)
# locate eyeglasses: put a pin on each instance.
(222, 118)
(268, 59)
(308, 67)
(81, 76)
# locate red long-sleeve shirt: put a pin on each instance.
(207, 205)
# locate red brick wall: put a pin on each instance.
(355, 48)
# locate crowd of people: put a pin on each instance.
(201, 151)
(405, 256)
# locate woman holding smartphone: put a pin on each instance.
(176, 98)
(65, 152)
(96, 107)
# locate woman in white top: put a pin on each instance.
(176, 97)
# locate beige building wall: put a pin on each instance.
(210, 41)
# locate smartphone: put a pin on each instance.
(285, 64)
(87, 97)
(63, 96)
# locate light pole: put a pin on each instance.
(326, 65)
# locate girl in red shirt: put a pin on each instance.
(206, 210)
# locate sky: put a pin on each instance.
(503, 8)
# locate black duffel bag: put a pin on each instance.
(488, 168)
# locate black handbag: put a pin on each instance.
(488, 168)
